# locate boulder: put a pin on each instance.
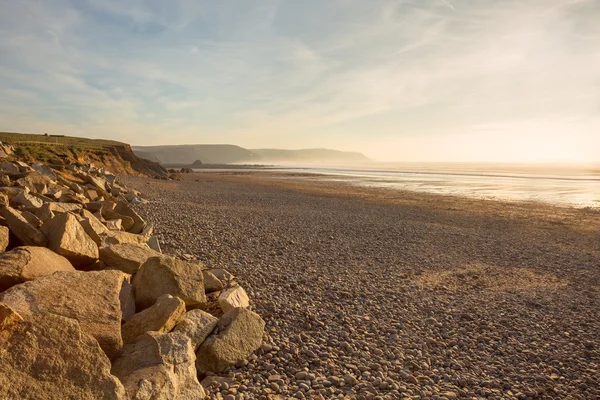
(159, 366)
(238, 334)
(93, 227)
(91, 194)
(27, 263)
(4, 200)
(233, 298)
(31, 218)
(211, 282)
(9, 167)
(26, 200)
(4, 236)
(126, 222)
(161, 317)
(154, 244)
(43, 213)
(51, 357)
(5, 180)
(34, 181)
(116, 237)
(138, 222)
(27, 234)
(91, 298)
(197, 325)
(114, 224)
(68, 238)
(12, 192)
(44, 170)
(126, 257)
(221, 274)
(168, 275)
(59, 208)
(127, 299)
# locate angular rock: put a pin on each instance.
(233, 298)
(93, 227)
(9, 167)
(68, 238)
(26, 200)
(197, 325)
(50, 357)
(91, 298)
(4, 200)
(116, 237)
(159, 366)
(22, 229)
(27, 263)
(43, 213)
(4, 236)
(126, 257)
(92, 195)
(124, 209)
(211, 282)
(238, 334)
(127, 299)
(161, 317)
(126, 222)
(154, 244)
(31, 218)
(59, 208)
(44, 170)
(114, 224)
(12, 192)
(168, 275)
(221, 274)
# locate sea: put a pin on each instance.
(565, 185)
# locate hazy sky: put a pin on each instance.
(398, 80)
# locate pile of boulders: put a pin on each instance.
(89, 306)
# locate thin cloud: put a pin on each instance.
(300, 74)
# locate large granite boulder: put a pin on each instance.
(126, 257)
(168, 275)
(197, 325)
(159, 366)
(27, 234)
(238, 334)
(93, 227)
(233, 298)
(51, 357)
(138, 222)
(161, 317)
(91, 298)
(116, 237)
(26, 200)
(211, 282)
(68, 238)
(27, 263)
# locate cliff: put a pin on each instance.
(62, 150)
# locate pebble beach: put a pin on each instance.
(383, 294)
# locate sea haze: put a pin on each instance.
(566, 185)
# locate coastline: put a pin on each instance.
(377, 292)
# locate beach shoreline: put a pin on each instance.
(378, 292)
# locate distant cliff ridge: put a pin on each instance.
(230, 154)
(187, 154)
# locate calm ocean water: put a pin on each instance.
(567, 185)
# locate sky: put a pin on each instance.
(399, 80)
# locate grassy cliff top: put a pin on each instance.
(33, 138)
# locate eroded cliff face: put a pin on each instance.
(118, 158)
(137, 164)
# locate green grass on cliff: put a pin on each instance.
(41, 139)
